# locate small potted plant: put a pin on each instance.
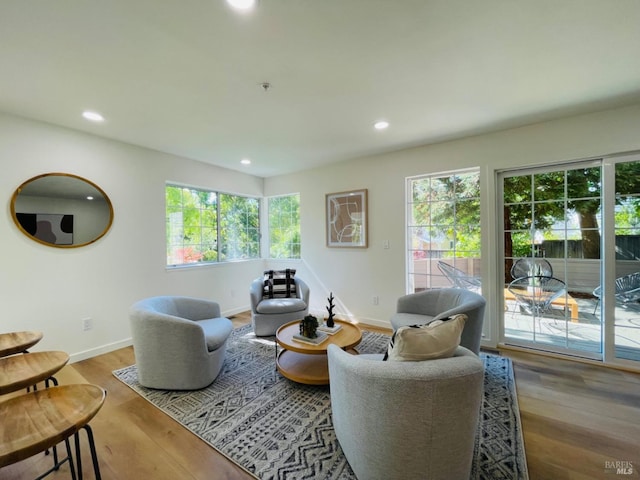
(309, 326)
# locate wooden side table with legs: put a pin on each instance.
(18, 342)
(39, 420)
(24, 371)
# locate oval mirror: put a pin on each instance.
(61, 210)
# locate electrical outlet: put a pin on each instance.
(375, 300)
(87, 324)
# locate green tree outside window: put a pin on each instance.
(284, 226)
(204, 226)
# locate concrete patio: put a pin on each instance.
(557, 329)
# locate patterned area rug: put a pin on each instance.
(277, 429)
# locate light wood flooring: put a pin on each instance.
(575, 418)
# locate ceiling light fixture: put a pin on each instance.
(245, 161)
(381, 125)
(93, 116)
(242, 4)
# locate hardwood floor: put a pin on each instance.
(575, 417)
(578, 419)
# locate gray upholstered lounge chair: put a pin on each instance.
(406, 420)
(425, 307)
(269, 314)
(179, 342)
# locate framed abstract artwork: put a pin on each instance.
(51, 228)
(347, 219)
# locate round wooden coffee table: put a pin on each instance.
(307, 363)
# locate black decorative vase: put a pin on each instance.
(330, 322)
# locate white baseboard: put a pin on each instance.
(110, 347)
(235, 311)
(375, 322)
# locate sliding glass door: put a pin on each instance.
(570, 268)
(622, 293)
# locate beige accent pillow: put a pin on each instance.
(438, 339)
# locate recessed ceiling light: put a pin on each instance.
(89, 197)
(381, 125)
(93, 116)
(242, 4)
(245, 161)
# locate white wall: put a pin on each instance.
(52, 289)
(355, 276)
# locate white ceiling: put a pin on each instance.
(184, 76)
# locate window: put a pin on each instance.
(284, 226)
(205, 227)
(443, 231)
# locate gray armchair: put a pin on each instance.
(425, 307)
(269, 314)
(179, 342)
(408, 420)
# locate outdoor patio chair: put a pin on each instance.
(531, 267)
(458, 278)
(627, 290)
(536, 293)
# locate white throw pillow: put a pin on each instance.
(438, 339)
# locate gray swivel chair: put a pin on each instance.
(424, 307)
(406, 420)
(270, 313)
(179, 342)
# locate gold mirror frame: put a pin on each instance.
(61, 189)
